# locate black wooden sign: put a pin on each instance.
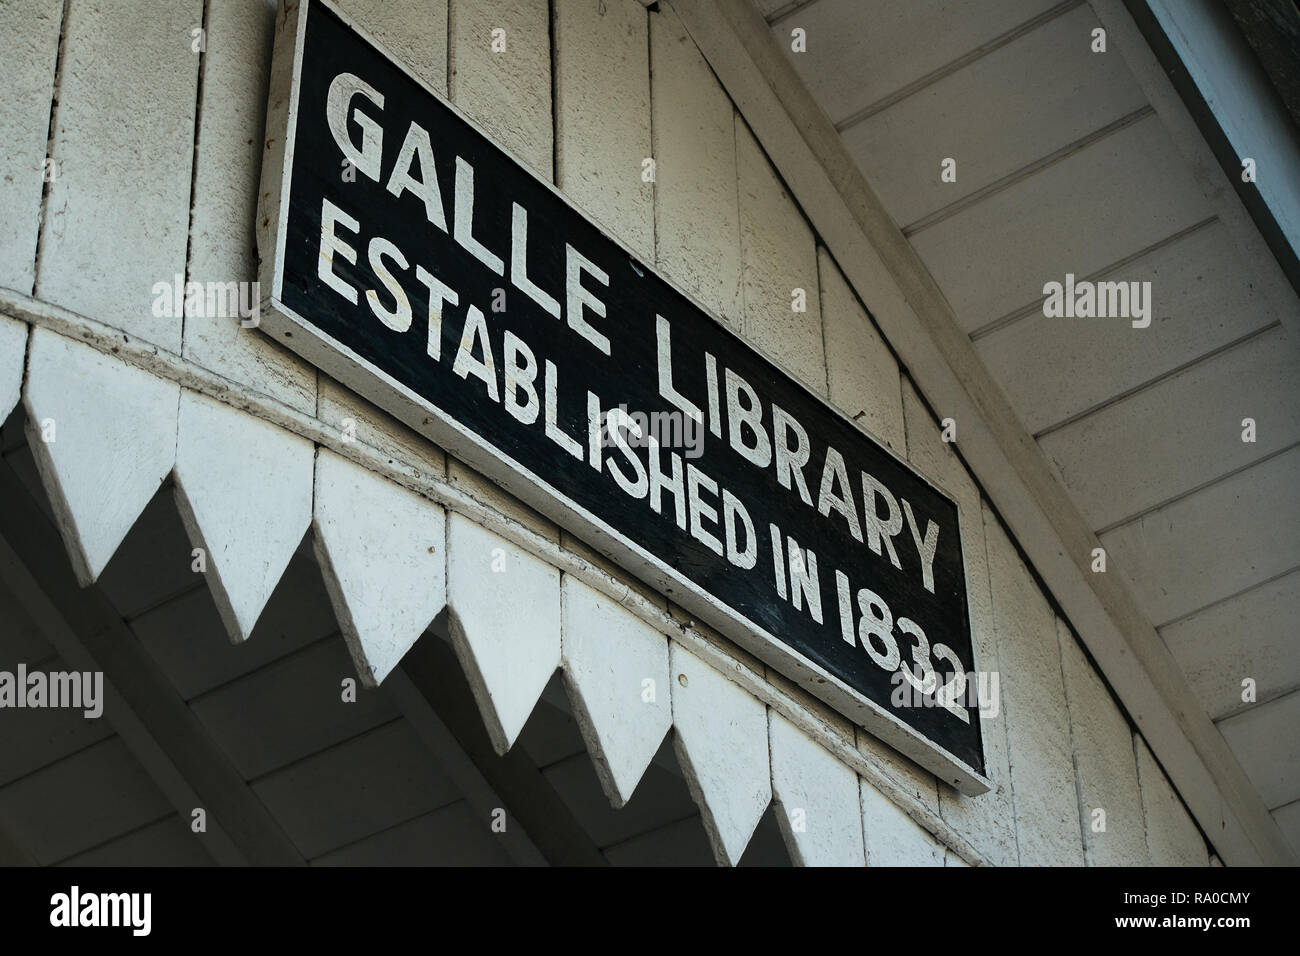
(418, 263)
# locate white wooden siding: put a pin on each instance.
(227, 165)
(902, 145)
(1082, 162)
(29, 41)
(277, 709)
(123, 132)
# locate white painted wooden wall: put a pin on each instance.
(1095, 167)
(257, 444)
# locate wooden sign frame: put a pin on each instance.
(313, 319)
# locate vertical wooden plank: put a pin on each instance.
(1104, 765)
(505, 624)
(1172, 837)
(596, 559)
(721, 745)
(988, 820)
(244, 492)
(29, 44)
(818, 802)
(507, 91)
(778, 257)
(103, 434)
(1033, 694)
(116, 218)
(906, 774)
(227, 167)
(602, 115)
(892, 837)
(501, 74)
(413, 31)
(381, 551)
(861, 372)
(695, 159)
(616, 673)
